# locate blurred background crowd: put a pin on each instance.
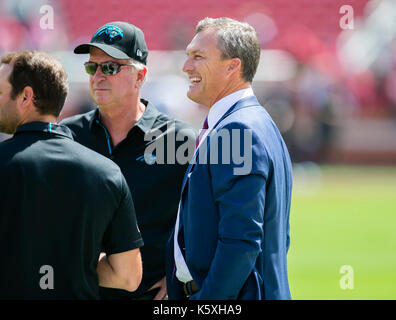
(330, 89)
(327, 76)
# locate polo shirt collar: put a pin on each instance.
(94, 117)
(145, 123)
(52, 128)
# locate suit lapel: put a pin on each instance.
(243, 103)
(186, 175)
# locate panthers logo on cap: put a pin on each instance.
(111, 33)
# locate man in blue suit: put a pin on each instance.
(231, 235)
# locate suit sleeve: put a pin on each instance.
(240, 202)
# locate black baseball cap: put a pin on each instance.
(120, 40)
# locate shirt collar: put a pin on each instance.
(145, 123)
(225, 103)
(52, 128)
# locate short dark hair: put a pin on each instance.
(235, 40)
(44, 74)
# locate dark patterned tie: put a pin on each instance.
(203, 130)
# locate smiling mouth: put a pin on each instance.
(194, 81)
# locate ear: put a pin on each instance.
(25, 98)
(234, 65)
(141, 75)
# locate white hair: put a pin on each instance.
(139, 66)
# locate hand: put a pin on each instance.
(162, 293)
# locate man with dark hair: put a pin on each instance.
(140, 139)
(232, 231)
(61, 204)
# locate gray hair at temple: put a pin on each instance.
(235, 40)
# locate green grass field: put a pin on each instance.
(343, 216)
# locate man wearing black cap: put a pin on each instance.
(123, 128)
(53, 224)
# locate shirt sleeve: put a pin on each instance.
(123, 233)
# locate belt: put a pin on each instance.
(190, 288)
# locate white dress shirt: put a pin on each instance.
(215, 114)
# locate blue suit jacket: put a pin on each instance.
(236, 226)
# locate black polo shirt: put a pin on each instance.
(151, 168)
(61, 204)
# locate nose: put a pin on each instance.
(188, 66)
(98, 75)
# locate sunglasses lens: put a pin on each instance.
(90, 67)
(110, 68)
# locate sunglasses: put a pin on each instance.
(109, 68)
